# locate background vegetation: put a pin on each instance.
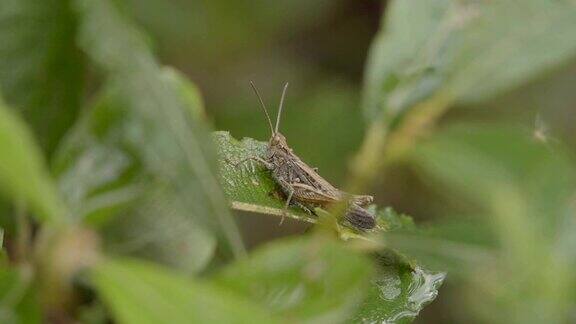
(118, 120)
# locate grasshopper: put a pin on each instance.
(301, 184)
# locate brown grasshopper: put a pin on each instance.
(301, 184)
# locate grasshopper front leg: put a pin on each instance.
(267, 164)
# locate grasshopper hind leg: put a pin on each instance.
(289, 193)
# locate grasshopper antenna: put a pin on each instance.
(263, 106)
(280, 107)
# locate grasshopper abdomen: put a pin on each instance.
(360, 217)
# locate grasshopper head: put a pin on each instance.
(277, 140)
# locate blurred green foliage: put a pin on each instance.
(313, 280)
(23, 173)
(116, 190)
(144, 293)
(518, 195)
(459, 48)
(41, 71)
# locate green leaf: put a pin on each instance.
(312, 280)
(159, 228)
(188, 91)
(511, 54)
(389, 220)
(140, 293)
(103, 173)
(18, 301)
(523, 187)
(402, 287)
(158, 132)
(401, 55)
(398, 293)
(466, 50)
(501, 162)
(247, 184)
(41, 70)
(23, 174)
(520, 192)
(459, 245)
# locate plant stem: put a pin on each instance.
(382, 147)
(23, 232)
